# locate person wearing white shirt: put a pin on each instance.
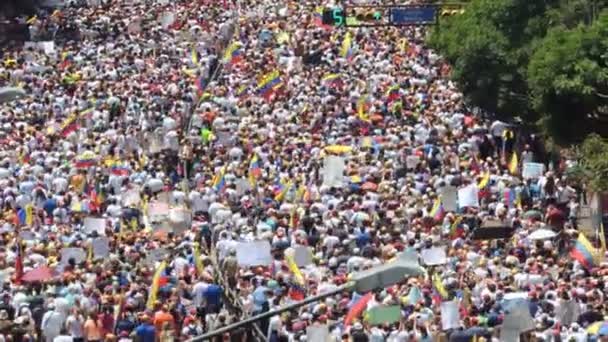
(52, 321)
(75, 325)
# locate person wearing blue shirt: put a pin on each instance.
(145, 332)
(213, 298)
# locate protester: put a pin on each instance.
(164, 149)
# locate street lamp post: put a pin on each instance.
(382, 276)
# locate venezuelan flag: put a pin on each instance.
(241, 91)
(69, 125)
(318, 18)
(362, 106)
(332, 80)
(393, 93)
(219, 181)
(233, 53)
(584, 252)
(295, 270)
(255, 171)
(513, 164)
(358, 308)
(85, 160)
(346, 51)
(120, 168)
(455, 229)
(283, 191)
(439, 288)
(510, 196)
(194, 56)
(156, 280)
(484, 181)
(437, 211)
(296, 292)
(268, 84)
(201, 84)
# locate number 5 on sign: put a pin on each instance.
(338, 16)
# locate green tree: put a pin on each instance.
(532, 59)
(592, 163)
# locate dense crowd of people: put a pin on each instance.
(167, 155)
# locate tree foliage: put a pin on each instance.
(592, 163)
(543, 61)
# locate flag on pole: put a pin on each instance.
(198, 263)
(233, 53)
(295, 270)
(155, 285)
(19, 263)
(357, 308)
(219, 180)
(268, 84)
(513, 164)
(346, 50)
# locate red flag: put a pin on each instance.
(19, 264)
(358, 308)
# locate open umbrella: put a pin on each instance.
(338, 149)
(533, 215)
(11, 93)
(542, 234)
(42, 273)
(369, 186)
(598, 328)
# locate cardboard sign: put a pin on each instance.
(449, 198)
(302, 255)
(256, 253)
(155, 255)
(434, 256)
(101, 247)
(468, 196)
(92, 224)
(333, 171)
(450, 315)
(180, 219)
(532, 170)
(78, 254)
(158, 211)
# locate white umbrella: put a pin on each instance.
(10, 93)
(542, 234)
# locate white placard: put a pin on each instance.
(449, 198)
(78, 254)
(317, 333)
(256, 253)
(412, 161)
(27, 235)
(302, 255)
(450, 316)
(532, 170)
(242, 185)
(101, 247)
(468, 196)
(131, 198)
(155, 255)
(333, 171)
(47, 47)
(167, 19)
(180, 219)
(92, 224)
(434, 256)
(158, 211)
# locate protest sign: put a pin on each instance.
(27, 235)
(92, 224)
(468, 196)
(166, 19)
(434, 256)
(412, 161)
(384, 315)
(180, 219)
(155, 255)
(256, 253)
(333, 171)
(318, 333)
(157, 211)
(131, 198)
(450, 315)
(302, 255)
(449, 198)
(101, 247)
(532, 170)
(78, 254)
